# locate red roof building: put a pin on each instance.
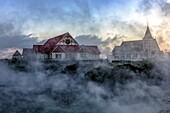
(63, 47)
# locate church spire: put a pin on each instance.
(148, 34)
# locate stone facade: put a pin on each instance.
(137, 50)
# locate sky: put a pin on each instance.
(105, 23)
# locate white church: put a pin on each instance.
(137, 50)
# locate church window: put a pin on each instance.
(128, 55)
(153, 52)
(146, 50)
(116, 56)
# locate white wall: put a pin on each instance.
(63, 56)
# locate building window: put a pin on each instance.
(128, 55)
(58, 56)
(116, 56)
(153, 52)
(83, 55)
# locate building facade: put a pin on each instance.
(137, 50)
(62, 47)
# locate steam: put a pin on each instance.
(49, 90)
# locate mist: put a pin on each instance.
(51, 87)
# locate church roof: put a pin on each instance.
(133, 46)
(129, 46)
(17, 53)
(148, 34)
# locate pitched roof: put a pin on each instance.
(129, 46)
(58, 49)
(17, 53)
(93, 49)
(116, 49)
(148, 34)
(51, 43)
(77, 49)
(38, 48)
(82, 49)
(70, 48)
(27, 51)
(55, 40)
(50, 46)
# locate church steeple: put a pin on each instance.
(148, 34)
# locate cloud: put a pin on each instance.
(12, 38)
(104, 45)
(8, 52)
(46, 19)
(88, 39)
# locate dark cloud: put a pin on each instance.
(11, 37)
(128, 29)
(88, 39)
(115, 39)
(67, 13)
(104, 45)
(166, 9)
(146, 5)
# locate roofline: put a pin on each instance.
(84, 47)
(57, 47)
(55, 37)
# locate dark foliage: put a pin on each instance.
(125, 73)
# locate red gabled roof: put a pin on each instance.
(55, 40)
(51, 46)
(58, 49)
(77, 48)
(17, 53)
(51, 43)
(70, 48)
(38, 48)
